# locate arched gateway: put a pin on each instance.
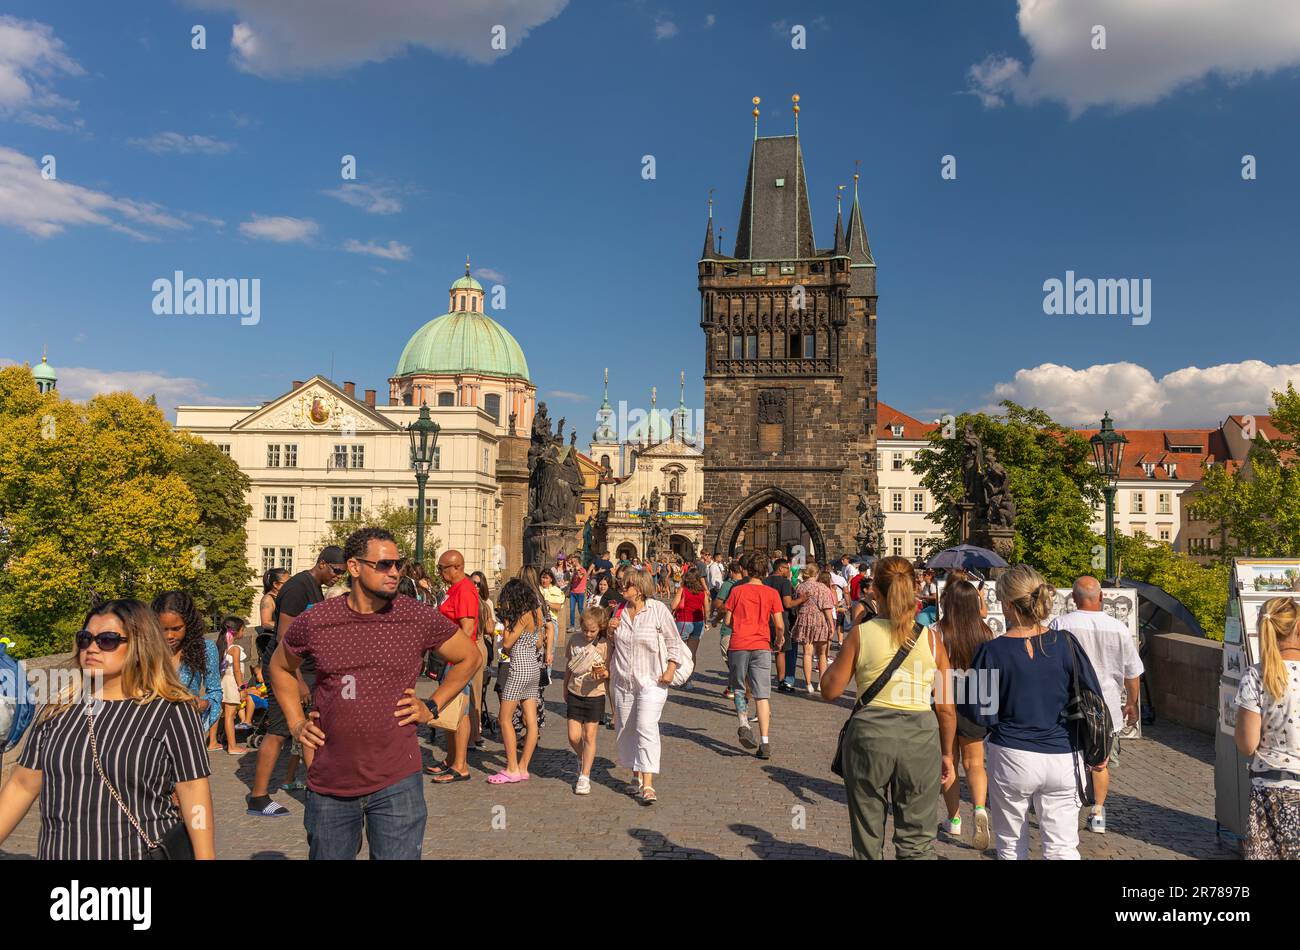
(790, 362)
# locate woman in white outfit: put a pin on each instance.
(647, 652)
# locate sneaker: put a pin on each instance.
(809, 688)
(784, 687)
(728, 693)
(1097, 821)
(953, 827)
(765, 750)
(981, 839)
(294, 787)
(746, 736)
(583, 787)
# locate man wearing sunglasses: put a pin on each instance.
(368, 648)
(299, 593)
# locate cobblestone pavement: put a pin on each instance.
(716, 799)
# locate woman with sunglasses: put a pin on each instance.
(118, 759)
(195, 658)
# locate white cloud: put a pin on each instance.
(80, 383)
(293, 37)
(487, 273)
(564, 394)
(1153, 48)
(374, 199)
(709, 21)
(182, 144)
(392, 251)
(281, 229)
(1193, 397)
(44, 208)
(665, 29)
(31, 57)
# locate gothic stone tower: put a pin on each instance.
(790, 362)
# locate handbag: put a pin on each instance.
(837, 764)
(1088, 721)
(449, 715)
(685, 668)
(174, 845)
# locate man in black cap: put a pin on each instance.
(299, 593)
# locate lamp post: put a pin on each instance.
(424, 441)
(1108, 452)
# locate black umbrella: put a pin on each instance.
(966, 557)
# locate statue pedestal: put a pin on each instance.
(965, 510)
(1002, 541)
(544, 540)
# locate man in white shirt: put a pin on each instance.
(847, 568)
(1114, 656)
(714, 573)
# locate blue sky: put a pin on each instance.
(224, 162)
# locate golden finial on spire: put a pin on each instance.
(839, 197)
(653, 397)
(756, 102)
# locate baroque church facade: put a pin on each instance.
(790, 364)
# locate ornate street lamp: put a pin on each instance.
(1108, 452)
(424, 441)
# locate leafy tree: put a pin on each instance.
(1257, 509)
(220, 540)
(1052, 478)
(1202, 590)
(91, 508)
(398, 521)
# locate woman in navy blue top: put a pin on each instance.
(1019, 690)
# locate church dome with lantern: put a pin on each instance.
(464, 357)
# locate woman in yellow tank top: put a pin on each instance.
(897, 749)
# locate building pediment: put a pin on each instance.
(317, 406)
(670, 449)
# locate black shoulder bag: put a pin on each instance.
(1089, 724)
(837, 765)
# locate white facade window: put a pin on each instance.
(268, 559)
(898, 461)
(437, 457)
(270, 508)
(291, 456)
(286, 507)
(1139, 503)
(340, 456)
(1163, 504)
(918, 501)
(485, 461)
(896, 501)
(918, 547)
(225, 450)
(354, 506)
(430, 509)
(273, 456)
(358, 456)
(898, 545)
(286, 558)
(336, 508)
(880, 461)
(1164, 534)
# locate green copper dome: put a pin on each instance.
(467, 283)
(44, 370)
(463, 343)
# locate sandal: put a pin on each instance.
(446, 776)
(437, 768)
(504, 778)
(648, 797)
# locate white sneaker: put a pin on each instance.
(810, 689)
(1097, 821)
(953, 826)
(583, 787)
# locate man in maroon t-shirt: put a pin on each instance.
(367, 648)
(461, 608)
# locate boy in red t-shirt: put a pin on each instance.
(755, 614)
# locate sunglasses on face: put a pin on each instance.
(108, 642)
(338, 569)
(386, 565)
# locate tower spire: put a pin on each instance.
(858, 247)
(795, 100)
(839, 222)
(756, 102)
(466, 265)
(708, 232)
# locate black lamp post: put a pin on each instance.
(424, 442)
(1108, 452)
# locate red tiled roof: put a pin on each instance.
(1155, 447)
(914, 429)
(1263, 424)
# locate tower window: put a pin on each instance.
(758, 270)
(751, 346)
(492, 403)
(446, 399)
(737, 350)
(461, 305)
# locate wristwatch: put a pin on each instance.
(433, 707)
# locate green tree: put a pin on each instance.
(1052, 478)
(1202, 590)
(1256, 509)
(400, 523)
(220, 541)
(91, 508)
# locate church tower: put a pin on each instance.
(790, 362)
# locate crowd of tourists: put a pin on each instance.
(329, 676)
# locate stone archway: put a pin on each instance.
(625, 551)
(724, 535)
(683, 547)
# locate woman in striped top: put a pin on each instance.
(147, 737)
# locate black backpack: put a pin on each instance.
(1088, 721)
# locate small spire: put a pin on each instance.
(839, 220)
(795, 100)
(708, 231)
(45, 351)
(653, 398)
(466, 265)
(858, 246)
(756, 102)
(681, 402)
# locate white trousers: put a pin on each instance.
(1017, 778)
(636, 724)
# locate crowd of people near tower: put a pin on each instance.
(329, 676)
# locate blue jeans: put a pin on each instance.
(791, 661)
(393, 818)
(576, 603)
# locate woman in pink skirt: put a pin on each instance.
(815, 622)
